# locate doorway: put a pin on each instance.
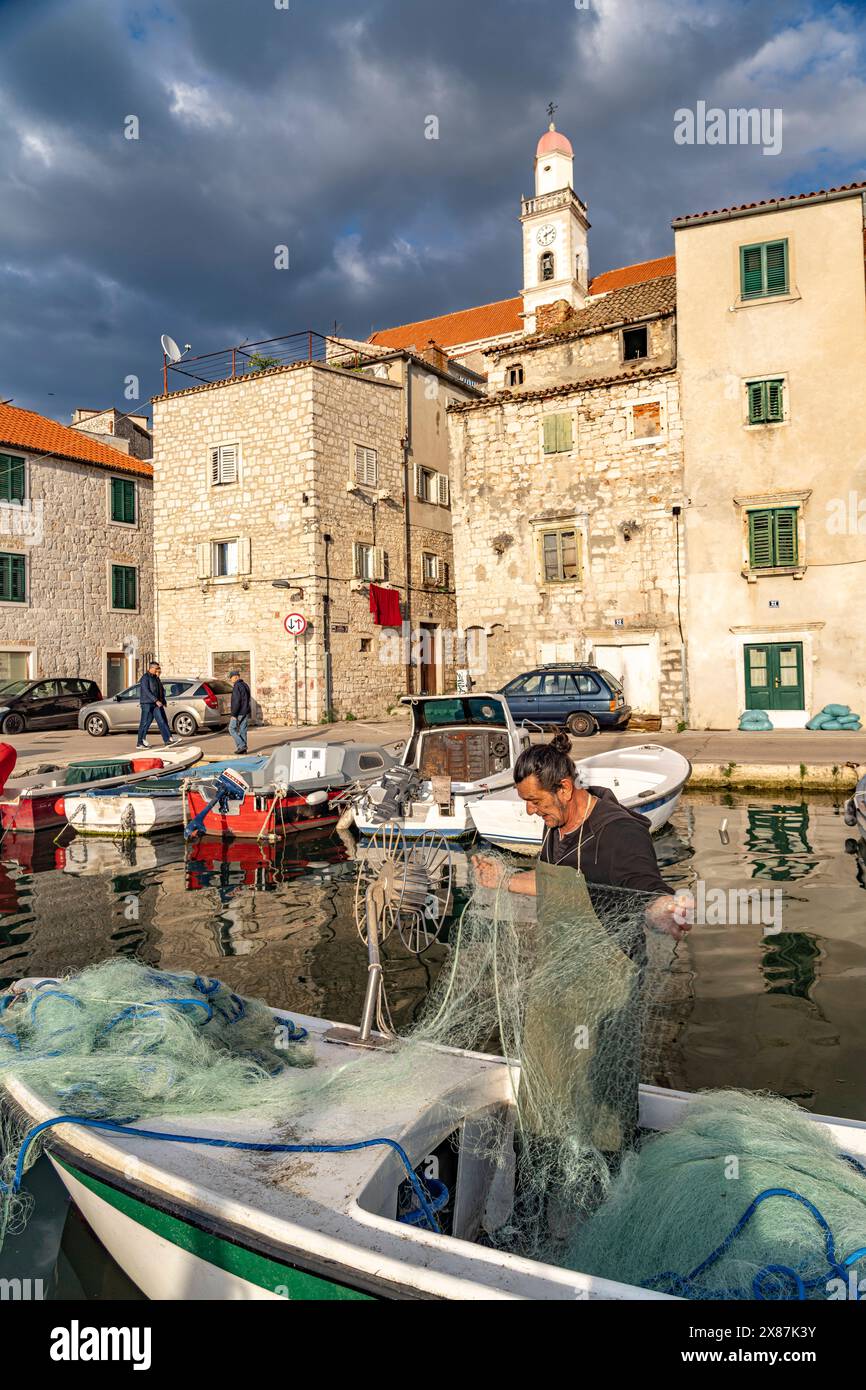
(116, 674)
(774, 676)
(428, 658)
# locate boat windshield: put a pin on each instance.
(467, 709)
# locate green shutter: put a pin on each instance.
(786, 536)
(557, 434)
(776, 257)
(563, 433)
(760, 539)
(123, 500)
(13, 581)
(773, 391)
(751, 271)
(123, 586)
(550, 434)
(11, 478)
(756, 403)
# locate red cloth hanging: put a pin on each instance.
(385, 606)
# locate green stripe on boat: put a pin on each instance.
(293, 1284)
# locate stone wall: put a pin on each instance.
(579, 358)
(69, 544)
(506, 490)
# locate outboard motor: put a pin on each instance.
(228, 786)
(390, 798)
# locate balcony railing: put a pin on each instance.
(548, 202)
(229, 364)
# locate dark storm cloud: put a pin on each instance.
(262, 126)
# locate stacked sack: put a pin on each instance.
(835, 717)
(756, 720)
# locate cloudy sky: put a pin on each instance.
(302, 123)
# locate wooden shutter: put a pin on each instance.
(366, 466)
(774, 400)
(214, 465)
(751, 271)
(563, 433)
(760, 539)
(776, 253)
(358, 560)
(442, 489)
(244, 555)
(378, 563)
(550, 433)
(756, 403)
(786, 536)
(224, 463)
(11, 478)
(204, 560)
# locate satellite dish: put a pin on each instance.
(170, 348)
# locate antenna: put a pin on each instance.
(170, 348)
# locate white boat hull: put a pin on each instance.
(124, 815)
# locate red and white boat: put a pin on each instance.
(34, 799)
(300, 787)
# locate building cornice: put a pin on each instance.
(571, 388)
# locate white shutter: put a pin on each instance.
(204, 560)
(244, 560)
(366, 466)
(416, 473)
(378, 562)
(214, 465)
(442, 489)
(224, 464)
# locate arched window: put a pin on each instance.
(547, 266)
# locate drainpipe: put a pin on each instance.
(407, 536)
(326, 629)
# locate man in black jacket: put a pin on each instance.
(151, 697)
(241, 706)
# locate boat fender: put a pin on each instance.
(8, 758)
(850, 812)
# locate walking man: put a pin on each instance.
(241, 706)
(151, 697)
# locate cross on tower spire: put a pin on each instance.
(551, 109)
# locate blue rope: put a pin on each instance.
(248, 1146)
(684, 1284)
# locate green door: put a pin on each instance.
(774, 676)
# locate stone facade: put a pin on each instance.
(128, 433)
(614, 488)
(67, 626)
(298, 511)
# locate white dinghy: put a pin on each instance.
(648, 778)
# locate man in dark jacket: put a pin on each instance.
(241, 706)
(151, 697)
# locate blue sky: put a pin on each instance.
(305, 126)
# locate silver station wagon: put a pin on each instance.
(191, 704)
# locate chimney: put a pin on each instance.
(550, 317)
(435, 355)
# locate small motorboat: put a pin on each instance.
(855, 808)
(35, 800)
(461, 748)
(299, 787)
(145, 807)
(647, 778)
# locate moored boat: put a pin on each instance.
(145, 807)
(855, 808)
(648, 778)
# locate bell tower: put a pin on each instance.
(555, 227)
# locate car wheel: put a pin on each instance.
(96, 726)
(185, 725)
(13, 724)
(581, 724)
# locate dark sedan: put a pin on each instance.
(52, 703)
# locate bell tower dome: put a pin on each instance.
(555, 227)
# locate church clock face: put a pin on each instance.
(546, 236)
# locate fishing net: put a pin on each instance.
(745, 1198)
(124, 1041)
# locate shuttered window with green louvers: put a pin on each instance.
(11, 478)
(13, 578)
(773, 537)
(124, 586)
(557, 434)
(123, 501)
(766, 402)
(764, 269)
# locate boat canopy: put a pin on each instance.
(436, 711)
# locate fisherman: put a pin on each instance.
(151, 697)
(589, 831)
(241, 707)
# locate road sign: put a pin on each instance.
(295, 624)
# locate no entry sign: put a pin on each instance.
(295, 623)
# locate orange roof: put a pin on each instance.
(36, 434)
(504, 316)
(771, 204)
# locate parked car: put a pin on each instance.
(583, 698)
(191, 703)
(51, 703)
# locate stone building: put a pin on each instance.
(126, 432)
(294, 488)
(772, 331)
(76, 555)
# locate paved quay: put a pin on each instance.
(789, 758)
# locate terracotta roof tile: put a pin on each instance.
(633, 274)
(627, 305)
(771, 204)
(568, 388)
(36, 434)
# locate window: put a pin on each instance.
(224, 558)
(558, 683)
(367, 646)
(515, 376)
(366, 466)
(224, 464)
(558, 436)
(646, 420)
(425, 484)
(546, 265)
(13, 579)
(45, 690)
(14, 666)
(124, 586)
(634, 343)
(587, 685)
(11, 478)
(764, 269)
(430, 566)
(123, 501)
(773, 537)
(766, 402)
(525, 685)
(559, 556)
(369, 562)
(223, 662)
